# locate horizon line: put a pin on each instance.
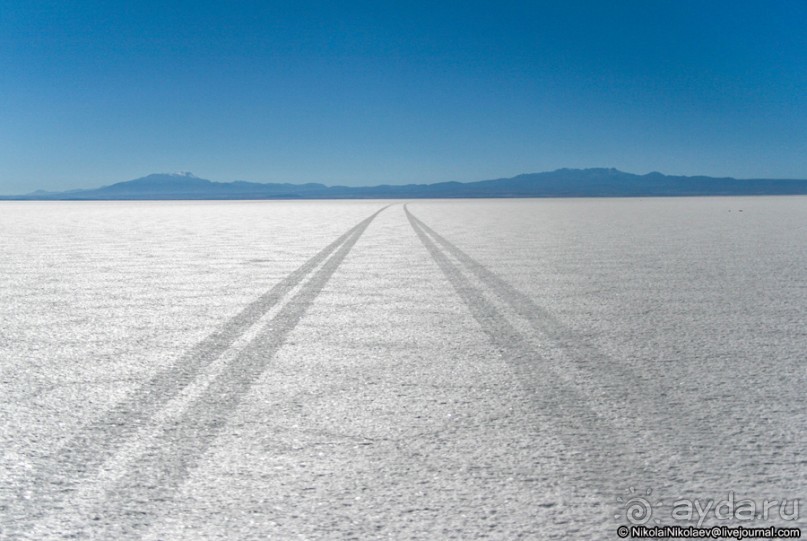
(369, 184)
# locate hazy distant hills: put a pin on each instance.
(561, 183)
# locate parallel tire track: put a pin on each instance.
(557, 404)
(167, 463)
(618, 389)
(55, 477)
(539, 318)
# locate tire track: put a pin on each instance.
(586, 358)
(56, 477)
(153, 479)
(646, 403)
(557, 404)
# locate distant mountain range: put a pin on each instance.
(598, 182)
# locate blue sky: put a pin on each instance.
(358, 93)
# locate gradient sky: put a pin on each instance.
(95, 92)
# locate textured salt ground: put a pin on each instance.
(686, 295)
(390, 410)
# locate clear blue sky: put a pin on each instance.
(354, 93)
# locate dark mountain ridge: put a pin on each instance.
(597, 182)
